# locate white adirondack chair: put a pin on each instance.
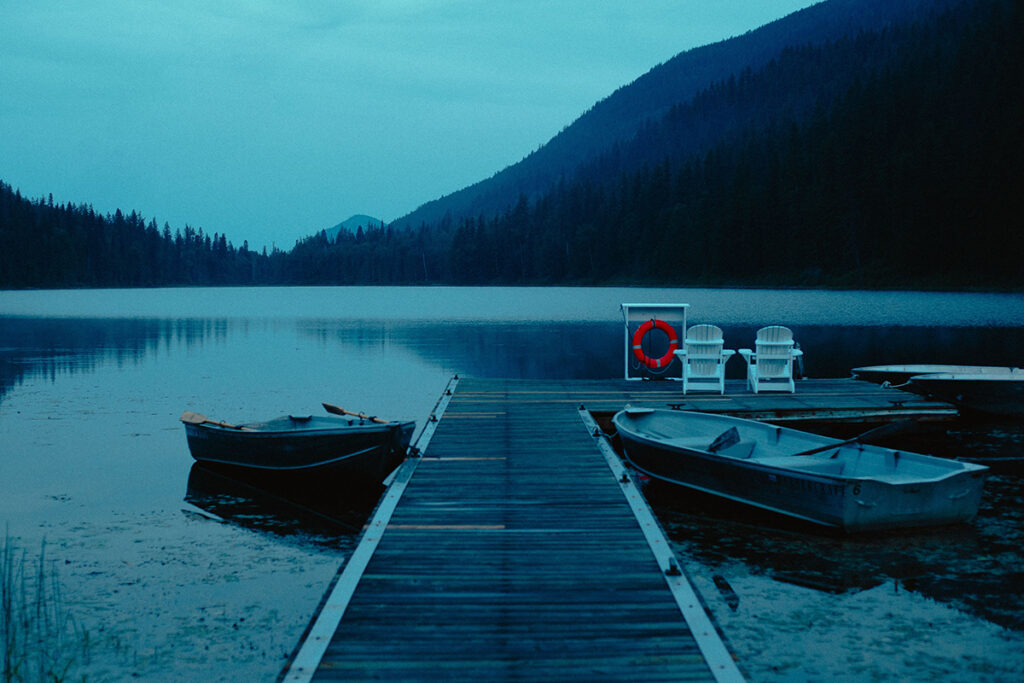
(770, 365)
(704, 359)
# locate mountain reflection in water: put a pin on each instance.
(48, 347)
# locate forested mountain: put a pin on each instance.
(885, 154)
(617, 118)
(887, 158)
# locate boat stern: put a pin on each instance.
(871, 504)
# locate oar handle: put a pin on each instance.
(330, 408)
(884, 430)
(819, 449)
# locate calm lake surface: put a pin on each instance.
(180, 576)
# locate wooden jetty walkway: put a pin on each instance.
(516, 547)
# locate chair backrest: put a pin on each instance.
(704, 351)
(774, 351)
(704, 341)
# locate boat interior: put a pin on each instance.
(845, 460)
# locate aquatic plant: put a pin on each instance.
(40, 639)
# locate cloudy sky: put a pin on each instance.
(267, 120)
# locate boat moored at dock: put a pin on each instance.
(995, 393)
(901, 374)
(992, 389)
(301, 445)
(846, 485)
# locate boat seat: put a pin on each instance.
(741, 449)
(698, 442)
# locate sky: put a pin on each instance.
(269, 120)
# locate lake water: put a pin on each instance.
(178, 577)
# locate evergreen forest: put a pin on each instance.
(881, 158)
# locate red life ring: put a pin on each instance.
(673, 343)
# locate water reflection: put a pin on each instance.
(971, 566)
(313, 513)
(49, 347)
(495, 349)
(594, 350)
(997, 443)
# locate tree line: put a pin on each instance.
(885, 159)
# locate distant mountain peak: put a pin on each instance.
(351, 224)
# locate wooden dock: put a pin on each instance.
(815, 400)
(516, 547)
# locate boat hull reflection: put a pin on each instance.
(262, 502)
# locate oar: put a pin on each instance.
(877, 432)
(341, 411)
(196, 419)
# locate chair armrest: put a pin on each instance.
(747, 354)
(797, 352)
(680, 354)
(728, 353)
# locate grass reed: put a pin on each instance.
(40, 639)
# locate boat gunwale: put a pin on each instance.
(253, 430)
(902, 368)
(1012, 375)
(902, 374)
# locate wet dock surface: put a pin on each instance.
(510, 550)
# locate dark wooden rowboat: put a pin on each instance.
(306, 445)
(845, 485)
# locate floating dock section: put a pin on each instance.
(517, 547)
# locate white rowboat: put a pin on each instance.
(840, 484)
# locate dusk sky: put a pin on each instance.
(269, 120)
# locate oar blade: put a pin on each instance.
(331, 408)
(188, 417)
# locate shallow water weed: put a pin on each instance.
(39, 637)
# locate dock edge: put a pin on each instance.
(716, 654)
(304, 664)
